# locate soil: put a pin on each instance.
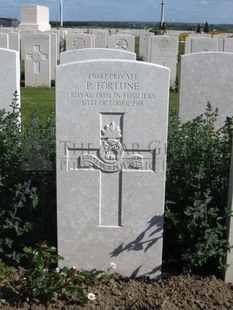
(173, 292)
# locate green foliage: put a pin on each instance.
(27, 195)
(137, 49)
(197, 184)
(156, 31)
(198, 29)
(206, 28)
(42, 279)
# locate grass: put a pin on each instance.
(41, 100)
(173, 101)
(181, 48)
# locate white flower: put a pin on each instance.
(91, 296)
(57, 269)
(113, 265)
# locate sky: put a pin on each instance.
(196, 11)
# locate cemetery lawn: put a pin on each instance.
(175, 292)
(41, 100)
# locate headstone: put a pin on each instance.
(34, 17)
(228, 45)
(206, 77)
(78, 41)
(4, 40)
(143, 45)
(100, 39)
(23, 36)
(38, 60)
(14, 42)
(111, 118)
(198, 44)
(122, 42)
(229, 260)
(9, 77)
(95, 53)
(54, 54)
(163, 50)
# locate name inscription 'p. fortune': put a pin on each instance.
(109, 160)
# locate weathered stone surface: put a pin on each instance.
(206, 77)
(95, 53)
(38, 60)
(163, 50)
(9, 77)
(122, 42)
(78, 41)
(111, 120)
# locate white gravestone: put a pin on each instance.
(229, 260)
(53, 55)
(111, 118)
(100, 39)
(228, 45)
(14, 41)
(78, 41)
(23, 36)
(4, 40)
(143, 45)
(122, 42)
(38, 60)
(163, 50)
(9, 77)
(206, 77)
(197, 45)
(95, 53)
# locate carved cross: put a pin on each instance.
(37, 56)
(112, 160)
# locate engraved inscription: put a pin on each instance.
(111, 160)
(112, 90)
(78, 43)
(111, 153)
(164, 44)
(121, 44)
(99, 36)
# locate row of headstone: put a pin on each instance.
(102, 180)
(160, 50)
(112, 116)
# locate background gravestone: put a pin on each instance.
(9, 77)
(4, 40)
(229, 261)
(122, 42)
(100, 39)
(78, 41)
(95, 53)
(206, 77)
(228, 45)
(14, 41)
(111, 118)
(38, 60)
(143, 45)
(197, 45)
(163, 50)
